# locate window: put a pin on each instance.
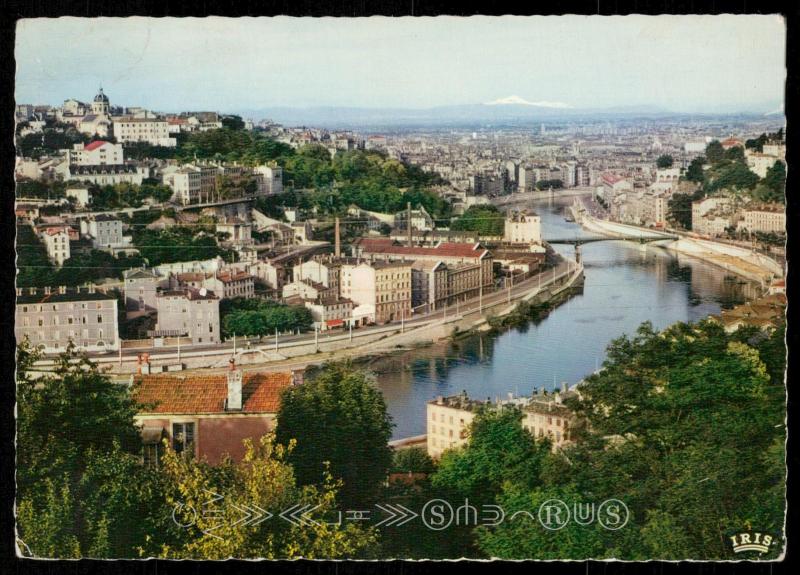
(150, 455)
(99, 319)
(182, 437)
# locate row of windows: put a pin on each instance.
(442, 419)
(442, 443)
(56, 307)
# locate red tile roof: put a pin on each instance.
(444, 249)
(207, 393)
(612, 178)
(94, 145)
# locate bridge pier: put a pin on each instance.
(577, 253)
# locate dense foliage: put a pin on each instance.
(484, 219)
(175, 244)
(338, 417)
(664, 161)
(82, 490)
(260, 317)
(685, 427)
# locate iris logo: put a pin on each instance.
(753, 541)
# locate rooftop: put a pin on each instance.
(443, 249)
(208, 393)
(34, 295)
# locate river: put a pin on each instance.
(625, 285)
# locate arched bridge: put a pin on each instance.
(642, 239)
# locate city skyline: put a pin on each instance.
(674, 63)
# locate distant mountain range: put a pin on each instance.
(509, 110)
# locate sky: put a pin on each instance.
(680, 63)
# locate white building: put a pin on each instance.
(523, 228)
(269, 179)
(767, 218)
(189, 312)
(150, 130)
(109, 174)
(97, 153)
(81, 194)
(56, 242)
(105, 231)
(186, 184)
(51, 318)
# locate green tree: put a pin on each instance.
(714, 152)
(664, 161)
(735, 154)
(680, 209)
(265, 479)
(486, 220)
(232, 122)
(499, 450)
(338, 417)
(412, 460)
(81, 489)
(695, 173)
(776, 178)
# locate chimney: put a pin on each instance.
(297, 376)
(337, 245)
(439, 400)
(234, 402)
(143, 363)
(410, 233)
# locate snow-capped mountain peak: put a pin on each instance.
(517, 100)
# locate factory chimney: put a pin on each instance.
(410, 233)
(337, 242)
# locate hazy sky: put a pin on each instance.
(683, 63)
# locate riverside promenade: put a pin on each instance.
(746, 263)
(296, 352)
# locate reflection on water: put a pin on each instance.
(625, 286)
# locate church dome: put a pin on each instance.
(101, 97)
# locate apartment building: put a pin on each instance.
(228, 284)
(767, 218)
(448, 420)
(547, 416)
(428, 285)
(52, 318)
(97, 153)
(386, 285)
(128, 130)
(105, 231)
(186, 185)
(188, 311)
(109, 174)
(141, 289)
(269, 179)
(56, 242)
(322, 269)
(331, 312)
(470, 265)
(523, 228)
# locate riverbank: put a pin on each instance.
(742, 262)
(465, 317)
